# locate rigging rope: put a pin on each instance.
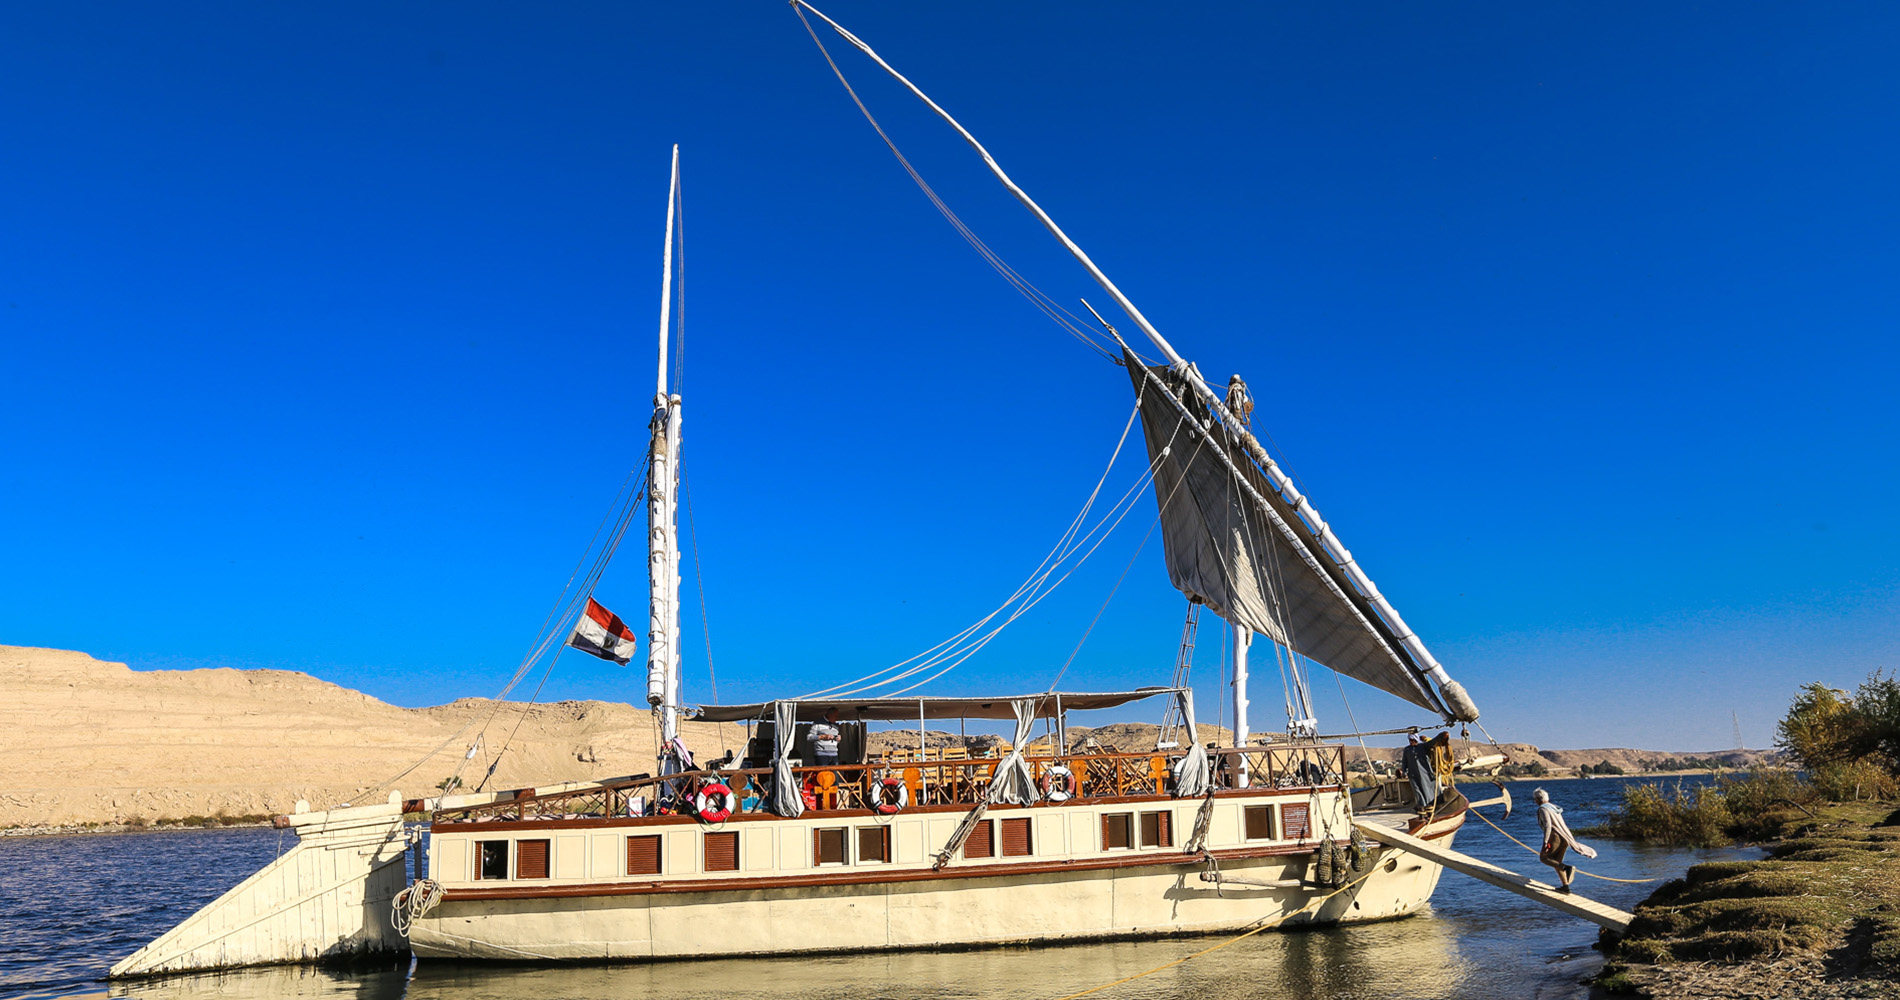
(692, 534)
(1049, 307)
(552, 626)
(1030, 592)
(1099, 611)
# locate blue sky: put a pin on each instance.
(326, 334)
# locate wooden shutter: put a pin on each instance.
(643, 855)
(982, 842)
(1016, 842)
(1295, 821)
(874, 843)
(827, 847)
(1259, 822)
(1157, 829)
(531, 859)
(1116, 835)
(722, 851)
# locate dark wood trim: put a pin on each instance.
(506, 825)
(876, 876)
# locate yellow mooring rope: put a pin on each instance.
(1533, 850)
(1269, 925)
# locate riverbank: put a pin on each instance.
(1818, 919)
(156, 826)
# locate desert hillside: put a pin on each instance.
(96, 742)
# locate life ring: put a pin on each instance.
(1058, 783)
(715, 803)
(900, 795)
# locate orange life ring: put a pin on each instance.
(894, 787)
(715, 803)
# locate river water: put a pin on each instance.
(72, 906)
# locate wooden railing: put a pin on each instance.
(955, 781)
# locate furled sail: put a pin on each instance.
(1225, 551)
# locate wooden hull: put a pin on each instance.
(1149, 898)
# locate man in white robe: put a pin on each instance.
(1557, 839)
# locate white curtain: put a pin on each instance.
(1014, 783)
(1190, 772)
(788, 799)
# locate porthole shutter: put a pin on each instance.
(643, 855)
(531, 859)
(1016, 843)
(722, 851)
(982, 843)
(1259, 822)
(1115, 832)
(1296, 820)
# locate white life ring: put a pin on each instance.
(1058, 783)
(715, 803)
(900, 795)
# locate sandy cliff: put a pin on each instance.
(94, 742)
(88, 741)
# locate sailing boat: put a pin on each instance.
(814, 840)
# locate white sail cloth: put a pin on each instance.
(1225, 551)
(1014, 783)
(1191, 771)
(788, 799)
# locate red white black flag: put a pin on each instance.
(602, 633)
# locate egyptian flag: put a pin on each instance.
(601, 633)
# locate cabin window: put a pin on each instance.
(1157, 829)
(1016, 841)
(491, 859)
(827, 846)
(1118, 831)
(722, 851)
(982, 842)
(874, 843)
(643, 855)
(1259, 822)
(531, 859)
(1296, 820)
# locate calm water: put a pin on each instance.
(72, 906)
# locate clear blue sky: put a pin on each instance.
(326, 334)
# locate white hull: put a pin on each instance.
(1167, 897)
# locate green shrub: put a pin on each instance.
(1696, 817)
(1854, 780)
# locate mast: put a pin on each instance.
(1458, 703)
(1243, 637)
(662, 512)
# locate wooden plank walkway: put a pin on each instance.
(1573, 904)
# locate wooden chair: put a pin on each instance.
(827, 790)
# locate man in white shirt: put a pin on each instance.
(824, 739)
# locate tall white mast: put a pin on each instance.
(1452, 693)
(1243, 637)
(663, 509)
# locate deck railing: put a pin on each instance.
(959, 780)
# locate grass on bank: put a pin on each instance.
(1829, 886)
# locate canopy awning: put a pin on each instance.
(900, 709)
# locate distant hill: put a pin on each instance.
(89, 741)
(96, 742)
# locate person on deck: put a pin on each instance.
(1557, 839)
(824, 740)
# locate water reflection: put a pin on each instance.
(1400, 959)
